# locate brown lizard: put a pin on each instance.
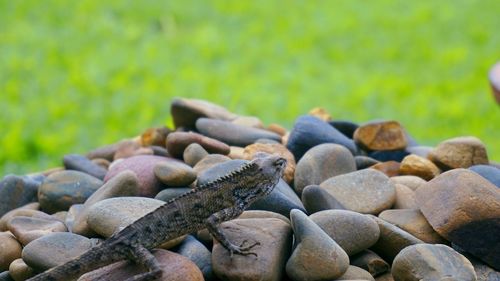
(204, 207)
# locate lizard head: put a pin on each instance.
(270, 170)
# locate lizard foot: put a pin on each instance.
(241, 250)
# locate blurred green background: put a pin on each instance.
(77, 75)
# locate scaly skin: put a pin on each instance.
(205, 207)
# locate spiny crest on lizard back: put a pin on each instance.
(227, 176)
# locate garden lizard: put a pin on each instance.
(204, 207)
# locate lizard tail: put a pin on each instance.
(93, 259)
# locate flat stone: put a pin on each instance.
(27, 229)
(19, 270)
(248, 121)
(460, 152)
(464, 208)
(321, 163)
(431, 262)
(354, 232)
(83, 164)
(25, 210)
(143, 167)
(109, 215)
(316, 198)
(275, 238)
(389, 168)
(405, 198)
(345, 127)
(356, 273)
(123, 184)
(309, 131)
(10, 249)
(366, 191)
(488, 172)
(174, 173)
(175, 267)
(62, 189)
(177, 143)
(419, 166)
(316, 256)
(392, 240)
(185, 112)
(389, 155)
(370, 262)
(413, 182)
(154, 136)
(105, 152)
(195, 251)
(273, 148)
(129, 148)
(281, 200)
(16, 191)
(380, 135)
(170, 193)
(413, 222)
(363, 162)
(209, 161)
(258, 214)
(55, 249)
(193, 154)
(233, 134)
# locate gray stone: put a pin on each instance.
(199, 254)
(354, 232)
(316, 198)
(170, 193)
(321, 163)
(83, 164)
(174, 173)
(16, 191)
(316, 256)
(365, 191)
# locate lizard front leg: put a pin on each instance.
(213, 223)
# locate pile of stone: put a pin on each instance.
(356, 202)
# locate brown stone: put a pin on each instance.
(154, 136)
(460, 152)
(248, 121)
(390, 168)
(185, 112)
(178, 141)
(10, 249)
(274, 148)
(27, 229)
(27, 210)
(418, 166)
(412, 182)
(174, 173)
(278, 129)
(237, 152)
(274, 236)
(19, 270)
(370, 262)
(193, 154)
(209, 161)
(405, 198)
(431, 262)
(129, 148)
(320, 113)
(392, 240)
(174, 266)
(385, 277)
(381, 135)
(316, 255)
(356, 273)
(259, 214)
(104, 163)
(494, 77)
(464, 208)
(413, 222)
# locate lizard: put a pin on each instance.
(206, 206)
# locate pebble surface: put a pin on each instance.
(358, 201)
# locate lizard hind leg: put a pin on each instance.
(144, 257)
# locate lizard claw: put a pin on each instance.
(244, 251)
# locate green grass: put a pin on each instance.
(76, 75)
